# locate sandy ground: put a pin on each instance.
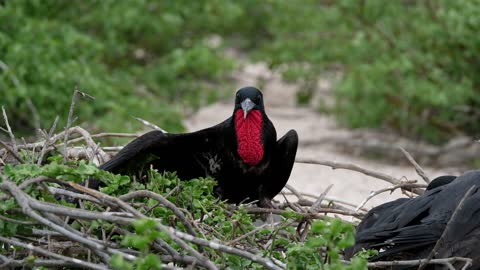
(312, 126)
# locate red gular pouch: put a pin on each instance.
(249, 136)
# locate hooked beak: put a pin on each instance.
(247, 105)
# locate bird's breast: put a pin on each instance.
(249, 137)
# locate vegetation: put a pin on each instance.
(409, 66)
(140, 244)
(136, 58)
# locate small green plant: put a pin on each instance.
(323, 247)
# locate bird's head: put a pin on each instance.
(249, 119)
(248, 99)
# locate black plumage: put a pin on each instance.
(381, 214)
(412, 229)
(245, 168)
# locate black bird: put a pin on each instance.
(379, 214)
(463, 236)
(242, 153)
(413, 229)
(440, 181)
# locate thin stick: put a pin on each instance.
(9, 130)
(12, 151)
(149, 124)
(69, 121)
(76, 92)
(380, 191)
(445, 261)
(318, 203)
(47, 141)
(51, 254)
(351, 167)
(259, 210)
(418, 169)
(165, 202)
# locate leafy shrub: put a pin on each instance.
(213, 220)
(138, 58)
(408, 65)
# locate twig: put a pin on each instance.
(380, 191)
(16, 220)
(418, 169)
(149, 124)
(294, 191)
(165, 202)
(352, 167)
(47, 141)
(259, 210)
(445, 261)
(76, 92)
(329, 198)
(447, 227)
(12, 151)
(318, 203)
(9, 130)
(63, 192)
(51, 254)
(243, 236)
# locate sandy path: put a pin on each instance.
(312, 126)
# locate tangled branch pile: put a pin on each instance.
(165, 223)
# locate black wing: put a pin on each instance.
(190, 154)
(463, 235)
(283, 158)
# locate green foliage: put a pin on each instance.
(332, 236)
(218, 221)
(410, 66)
(137, 58)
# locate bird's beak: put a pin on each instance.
(247, 105)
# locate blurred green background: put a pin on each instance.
(408, 66)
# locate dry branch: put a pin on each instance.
(417, 167)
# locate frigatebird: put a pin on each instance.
(411, 230)
(242, 153)
(378, 215)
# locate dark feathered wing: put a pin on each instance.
(187, 154)
(421, 221)
(281, 164)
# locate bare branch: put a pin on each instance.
(9, 130)
(351, 167)
(12, 151)
(149, 124)
(47, 141)
(76, 92)
(418, 169)
(163, 201)
(318, 203)
(405, 185)
(47, 253)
